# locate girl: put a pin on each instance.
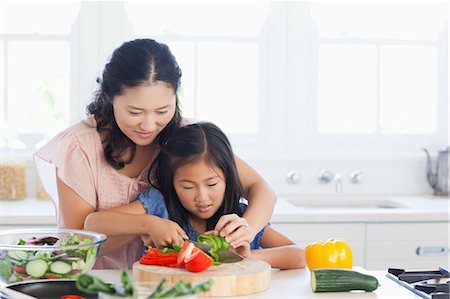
(102, 161)
(196, 184)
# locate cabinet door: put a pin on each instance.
(302, 234)
(422, 246)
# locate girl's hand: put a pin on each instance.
(235, 229)
(244, 250)
(163, 233)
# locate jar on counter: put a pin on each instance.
(12, 176)
(12, 180)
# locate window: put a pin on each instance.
(35, 68)
(377, 66)
(218, 53)
(285, 79)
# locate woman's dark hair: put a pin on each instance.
(132, 64)
(201, 141)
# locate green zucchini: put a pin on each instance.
(341, 280)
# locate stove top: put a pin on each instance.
(427, 284)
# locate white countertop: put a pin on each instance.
(27, 211)
(296, 284)
(411, 209)
(352, 208)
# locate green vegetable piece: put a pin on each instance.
(180, 288)
(217, 244)
(202, 286)
(127, 283)
(176, 247)
(21, 242)
(5, 269)
(159, 288)
(93, 285)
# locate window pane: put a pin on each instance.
(44, 17)
(422, 20)
(38, 86)
(408, 89)
(201, 18)
(185, 55)
(228, 85)
(346, 89)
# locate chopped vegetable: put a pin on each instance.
(217, 243)
(341, 280)
(155, 257)
(189, 257)
(180, 288)
(91, 284)
(6, 269)
(334, 253)
(193, 259)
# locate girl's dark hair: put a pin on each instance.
(132, 64)
(192, 143)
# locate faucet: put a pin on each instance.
(325, 176)
(337, 178)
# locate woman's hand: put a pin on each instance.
(163, 233)
(235, 229)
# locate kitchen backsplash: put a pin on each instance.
(383, 177)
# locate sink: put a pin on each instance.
(344, 203)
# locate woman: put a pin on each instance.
(102, 161)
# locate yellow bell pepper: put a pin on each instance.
(334, 253)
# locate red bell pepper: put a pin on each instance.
(155, 257)
(193, 259)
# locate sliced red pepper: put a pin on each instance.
(155, 257)
(72, 297)
(185, 250)
(193, 259)
(158, 261)
(198, 262)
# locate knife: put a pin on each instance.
(225, 255)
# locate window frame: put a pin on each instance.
(286, 91)
(308, 142)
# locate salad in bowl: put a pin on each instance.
(27, 254)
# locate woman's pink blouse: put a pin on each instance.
(78, 155)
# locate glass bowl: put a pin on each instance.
(30, 254)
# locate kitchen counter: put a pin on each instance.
(29, 211)
(296, 284)
(352, 208)
(333, 208)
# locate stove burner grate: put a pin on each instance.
(426, 284)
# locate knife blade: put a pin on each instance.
(225, 255)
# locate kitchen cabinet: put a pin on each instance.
(303, 233)
(379, 246)
(407, 245)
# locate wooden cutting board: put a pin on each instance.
(248, 276)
